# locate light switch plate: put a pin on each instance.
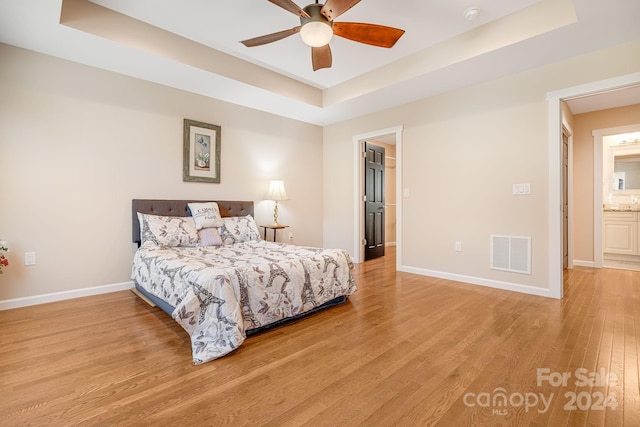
(520, 189)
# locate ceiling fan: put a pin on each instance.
(317, 28)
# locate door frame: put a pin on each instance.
(358, 179)
(569, 131)
(554, 101)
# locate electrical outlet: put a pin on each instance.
(458, 246)
(291, 236)
(29, 258)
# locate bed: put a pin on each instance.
(222, 290)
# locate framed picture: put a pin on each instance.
(201, 152)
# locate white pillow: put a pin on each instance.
(206, 215)
(238, 229)
(210, 237)
(168, 230)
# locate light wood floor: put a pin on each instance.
(405, 350)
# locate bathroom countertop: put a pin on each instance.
(625, 209)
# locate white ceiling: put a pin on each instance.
(440, 50)
(223, 24)
(605, 100)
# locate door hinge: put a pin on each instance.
(364, 198)
(364, 154)
(364, 242)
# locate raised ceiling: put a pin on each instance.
(194, 45)
(222, 24)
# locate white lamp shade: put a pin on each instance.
(276, 191)
(316, 34)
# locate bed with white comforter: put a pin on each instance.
(221, 292)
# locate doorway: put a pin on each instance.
(555, 219)
(616, 257)
(393, 179)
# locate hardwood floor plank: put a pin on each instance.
(429, 359)
(576, 335)
(404, 350)
(585, 356)
(614, 417)
(631, 378)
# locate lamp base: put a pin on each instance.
(275, 215)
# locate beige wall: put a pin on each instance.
(583, 125)
(462, 151)
(77, 144)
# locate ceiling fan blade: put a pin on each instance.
(334, 8)
(291, 7)
(321, 57)
(269, 38)
(376, 35)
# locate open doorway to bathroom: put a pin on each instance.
(617, 166)
(585, 198)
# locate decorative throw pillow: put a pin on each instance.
(168, 230)
(206, 214)
(210, 237)
(238, 229)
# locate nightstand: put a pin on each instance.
(275, 229)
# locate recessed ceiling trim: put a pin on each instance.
(94, 19)
(35, 25)
(537, 19)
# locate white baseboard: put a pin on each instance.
(507, 286)
(579, 263)
(64, 295)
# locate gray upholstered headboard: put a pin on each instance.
(181, 208)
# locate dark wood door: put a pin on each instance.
(374, 201)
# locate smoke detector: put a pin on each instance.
(471, 13)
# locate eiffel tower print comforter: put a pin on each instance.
(220, 292)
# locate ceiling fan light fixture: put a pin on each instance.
(316, 33)
(317, 29)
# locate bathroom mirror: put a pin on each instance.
(626, 173)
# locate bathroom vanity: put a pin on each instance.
(621, 241)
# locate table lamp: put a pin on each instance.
(276, 193)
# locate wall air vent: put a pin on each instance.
(511, 253)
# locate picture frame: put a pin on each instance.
(201, 152)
